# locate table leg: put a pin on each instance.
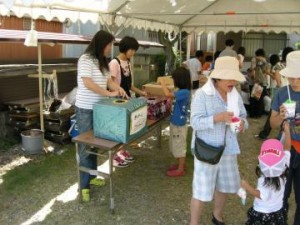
(159, 135)
(112, 203)
(78, 170)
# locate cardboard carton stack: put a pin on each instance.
(156, 89)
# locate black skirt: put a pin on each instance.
(275, 218)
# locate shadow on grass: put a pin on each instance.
(143, 194)
(29, 187)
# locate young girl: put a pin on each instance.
(120, 70)
(178, 128)
(272, 171)
(207, 63)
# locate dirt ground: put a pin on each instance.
(44, 190)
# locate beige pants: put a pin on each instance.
(177, 142)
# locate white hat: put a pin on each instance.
(292, 69)
(227, 68)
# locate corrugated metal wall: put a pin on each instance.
(222, 37)
(22, 87)
(17, 51)
(271, 43)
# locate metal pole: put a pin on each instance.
(41, 86)
(180, 45)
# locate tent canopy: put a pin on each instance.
(168, 15)
(60, 38)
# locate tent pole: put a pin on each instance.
(40, 86)
(188, 47)
(180, 45)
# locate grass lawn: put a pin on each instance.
(44, 190)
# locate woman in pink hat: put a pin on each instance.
(286, 106)
(272, 173)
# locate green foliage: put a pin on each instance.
(178, 59)
(40, 170)
(160, 61)
(6, 143)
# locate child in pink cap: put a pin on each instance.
(272, 172)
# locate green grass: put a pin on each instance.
(142, 192)
(39, 170)
(6, 143)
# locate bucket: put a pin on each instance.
(32, 141)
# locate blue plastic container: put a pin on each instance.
(120, 120)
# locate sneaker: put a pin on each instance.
(126, 156)
(85, 193)
(175, 167)
(97, 182)
(175, 173)
(118, 162)
(216, 222)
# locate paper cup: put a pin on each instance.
(235, 125)
(243, 195)
(291, 109)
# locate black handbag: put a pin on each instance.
(207, 153)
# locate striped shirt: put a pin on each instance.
(89, 67)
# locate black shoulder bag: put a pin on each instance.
(207, 153)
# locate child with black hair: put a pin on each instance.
(121, 73)
(178, 128)
(207, 63)
(120, 67)
(272, 172)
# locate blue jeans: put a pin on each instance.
(84, 119)
(294, 179)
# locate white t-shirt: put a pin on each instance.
(115, 70)
(270, 199)
(89, 67)
(195, 66)
(241, 58)
(279, 66)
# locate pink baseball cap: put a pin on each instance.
(272, 160)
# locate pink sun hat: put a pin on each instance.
(272, 159)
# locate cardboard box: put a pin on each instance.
(120, 120)
(168, 80)
(156, 89)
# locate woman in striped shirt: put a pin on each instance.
(93, 83)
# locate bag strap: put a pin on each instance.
(128, 62)
(224, 134)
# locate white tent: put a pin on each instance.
(167, 15)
